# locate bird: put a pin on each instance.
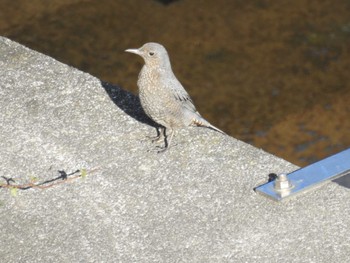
(162, 96)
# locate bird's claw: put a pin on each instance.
(161, 149)
(155, 138)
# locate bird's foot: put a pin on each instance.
(153, 139)
(157, 149)
(161, 149)
(157, 138)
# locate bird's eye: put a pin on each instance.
(151, 53)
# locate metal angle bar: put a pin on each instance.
(308, 177)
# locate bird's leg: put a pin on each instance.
(160, 135)
(171, 135)
(168, 136)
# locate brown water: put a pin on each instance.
(275, 74)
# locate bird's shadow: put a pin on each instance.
(128, 102)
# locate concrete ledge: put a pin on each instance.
(194, 203)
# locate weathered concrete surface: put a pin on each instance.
(194, 203)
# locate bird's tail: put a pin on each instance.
(200, 121)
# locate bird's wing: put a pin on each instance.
(181, 95)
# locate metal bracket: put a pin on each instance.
(287, 185)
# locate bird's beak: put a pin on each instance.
(135, 51)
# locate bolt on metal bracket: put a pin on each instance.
(301, 180)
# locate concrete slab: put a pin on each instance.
(194, 203)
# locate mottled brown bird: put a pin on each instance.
(162, 96)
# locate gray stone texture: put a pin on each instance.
(193, 203)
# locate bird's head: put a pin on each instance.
(154, 54)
